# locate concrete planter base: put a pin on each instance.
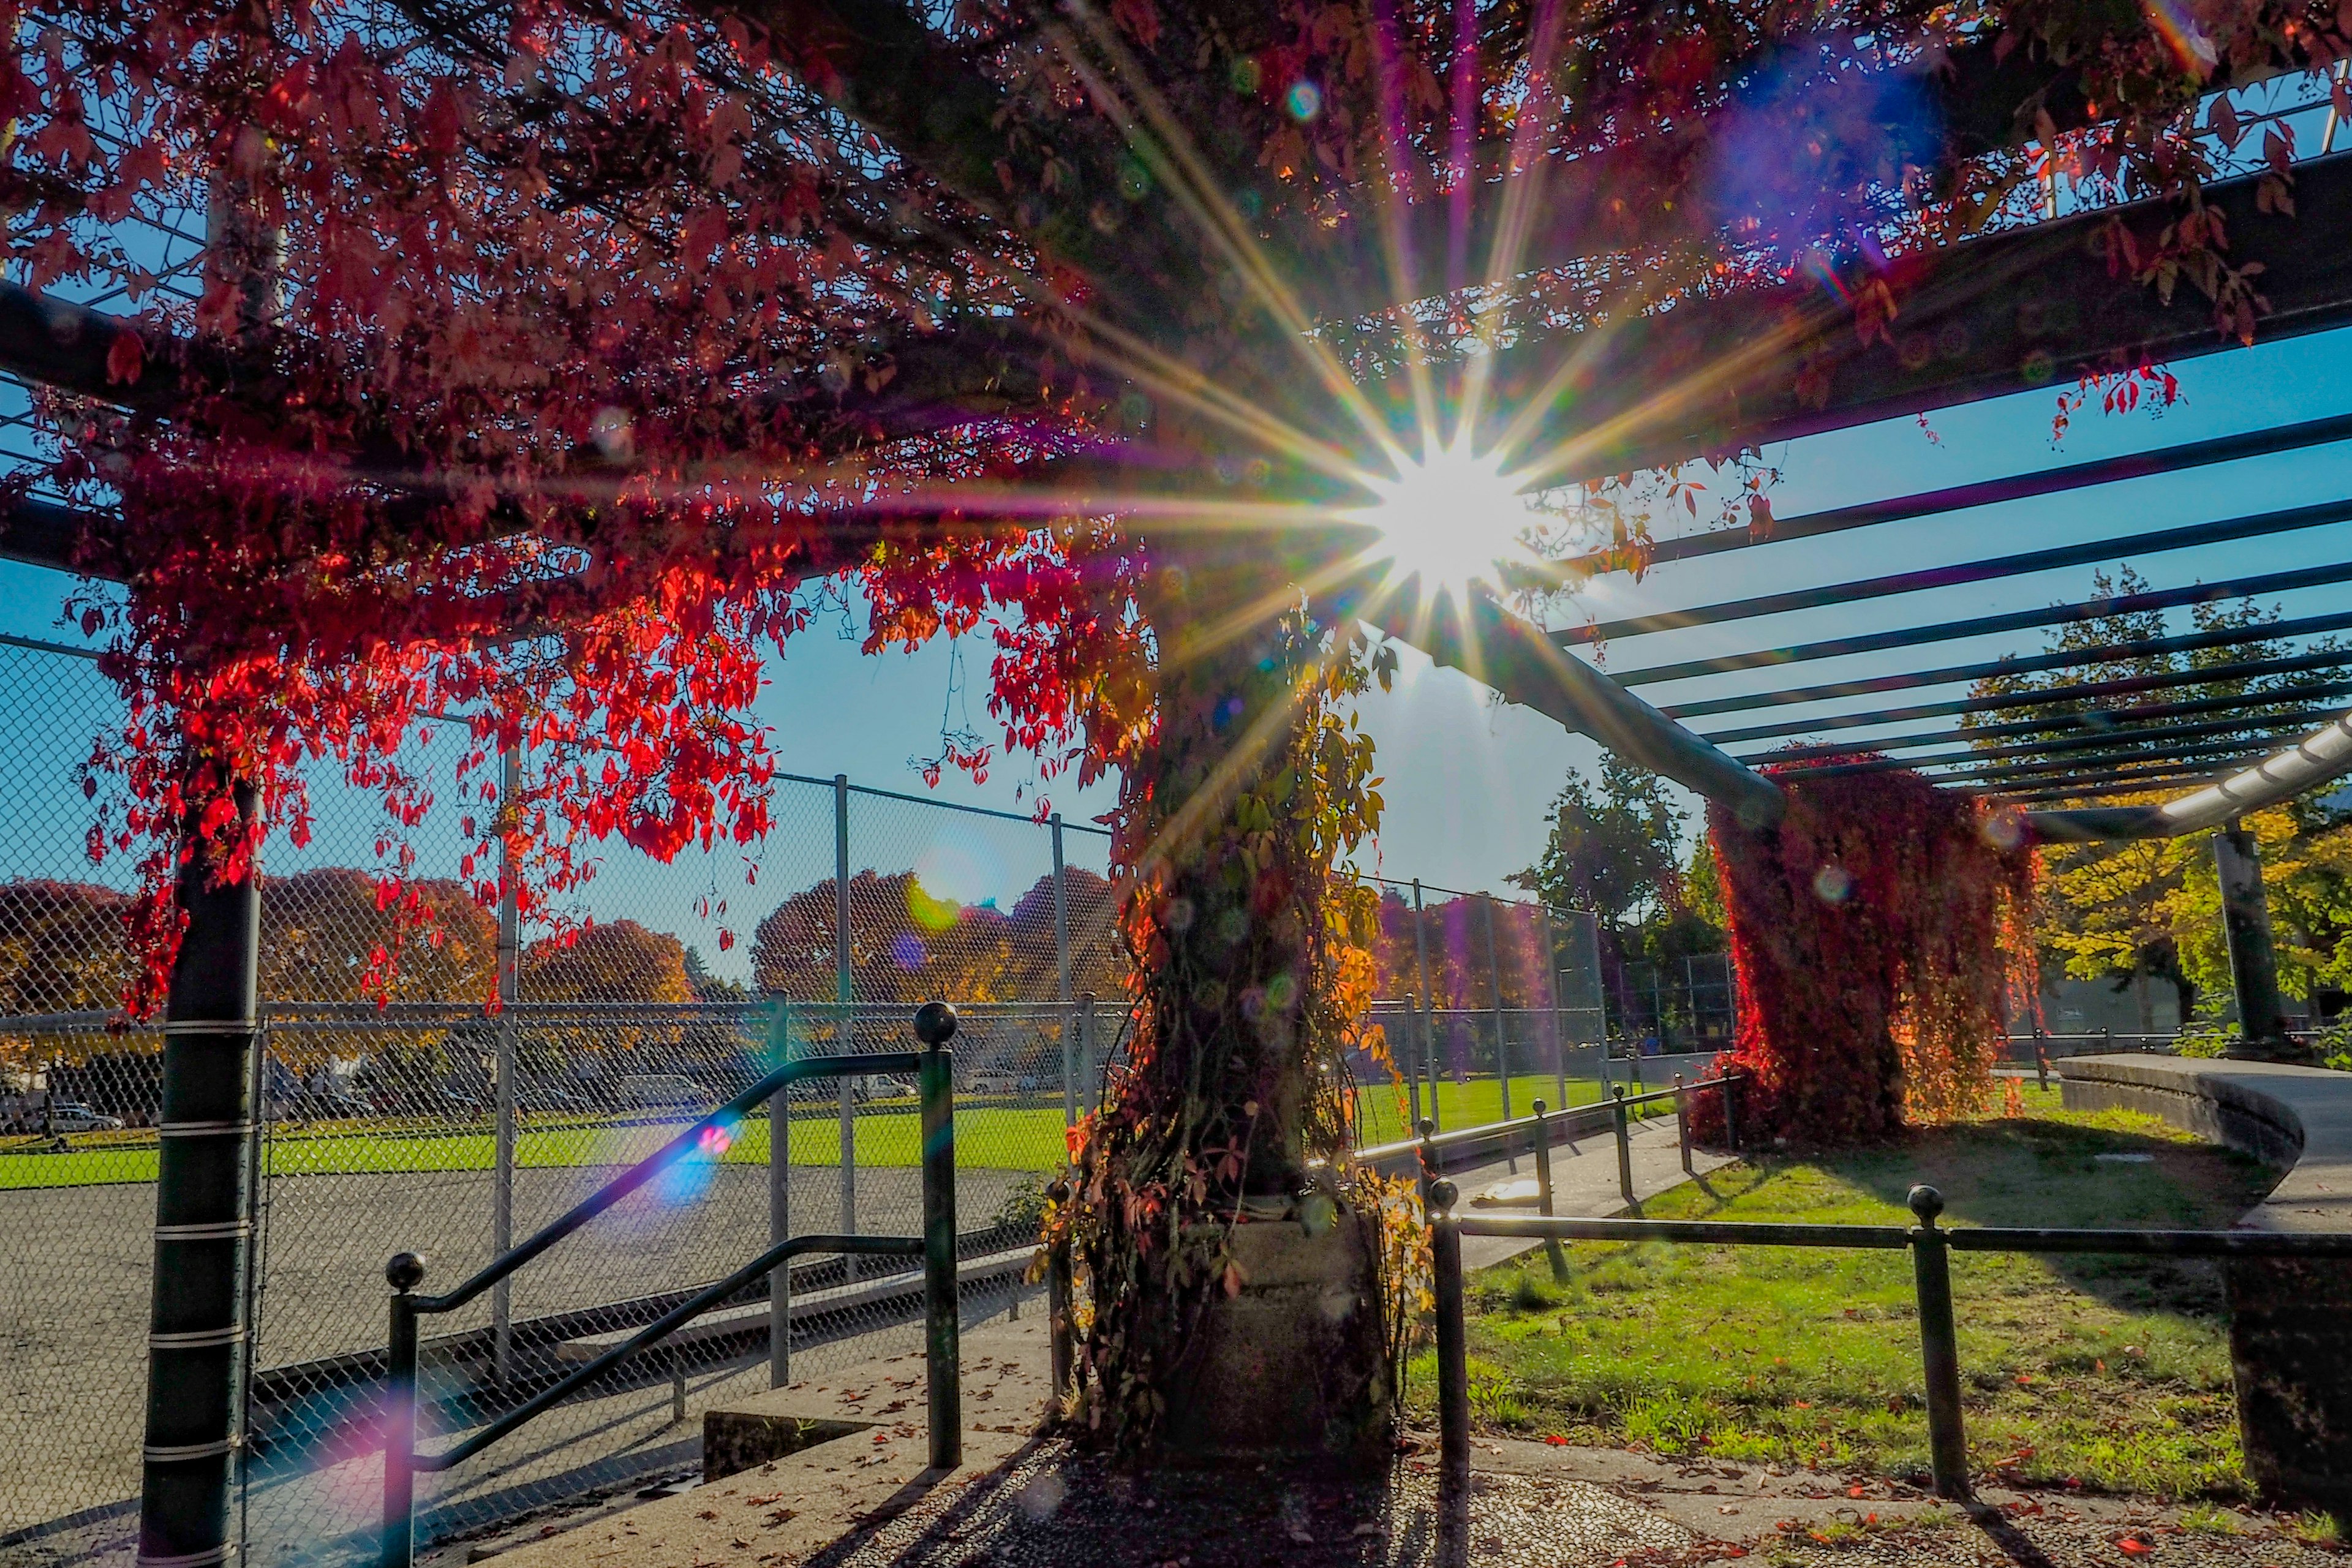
(1294, 1369)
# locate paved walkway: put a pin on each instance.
(1583, 1183)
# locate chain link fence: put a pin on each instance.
(426, 1121)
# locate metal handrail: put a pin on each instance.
(1929, 1245)
(685, 1142)
(935, 1024)
(1439, 1142)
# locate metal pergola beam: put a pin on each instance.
(2086, 691)
(2020, 310)
(2090, 789)
(2115, 743)
(2216, 754)
(2027, 664)
(2020, 564)
(2113, 724)
(1988, 625)
(1961, 498)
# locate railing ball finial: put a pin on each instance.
(1441, 1196)
(1927, 1203)
(935, 1024)
(1429, 1127)
(404, 1271)
(1058, 1190)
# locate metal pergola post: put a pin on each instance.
(197, 1335)
(2253, 961)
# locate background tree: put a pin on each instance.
(2136, 911)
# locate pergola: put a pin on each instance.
(2029, 304)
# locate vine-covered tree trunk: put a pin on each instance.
(1252, 982)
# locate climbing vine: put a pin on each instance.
(1875, 931)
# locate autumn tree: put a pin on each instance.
(2138, 910)
(610, 960)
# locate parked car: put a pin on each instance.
(664, 1091)
(881, 1088)
(990, 1082)
(69, 1116)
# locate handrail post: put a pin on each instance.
(935, 1024)
(1060, 1288)
(1730, 1125)
(1543, 1195)
(1939, 1350)
(1625, 1147)
(1453, 1349)
(779, 1203)
(1682, 1122)
(404, 1273)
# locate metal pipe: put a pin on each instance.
(2070, 721)
(197, 1335)
(935, 1026)
(2320, 757)
(1940, 1349)
(1452, 1341)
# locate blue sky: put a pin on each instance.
(1468, 781)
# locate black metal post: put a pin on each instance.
(2254, 961)
(1940, 1349)
(1624, 1146)
(1428, 1160)
(204, 1226)
(403, 1273)
(1452, 1346)
(1730, 1121)
(935, 1024)
(1682, 1121)
(1557, 1258)
(1060, 1288)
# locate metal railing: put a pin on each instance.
(1434, 1152)
(935, 1024)
(1930, 1247)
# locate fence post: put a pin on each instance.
(403, 1273)
(1551, 1001)
(1428, 1000)
(1428, 1160)
(1939, 1350)
(1453, 1349)
(780, 1202)
(1411, 1068)
(1730, 1120)
(1075, 1022)
(935, 1026)
(1558, 1260)
(509, 979)
(1502, 1039)
(1060, 1293)
(845, 1036)
(1625, 1147)
(1682, 1121)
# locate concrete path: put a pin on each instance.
(1583, 1183)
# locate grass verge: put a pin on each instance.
(2112, 1374)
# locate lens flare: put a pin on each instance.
(1447, 517)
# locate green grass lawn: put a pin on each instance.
(1382, 1110)
(1004, 1137)
(1011, 1137)
(2114, 1372)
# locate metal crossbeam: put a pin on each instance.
(2111, 740)
(2117, 764)
(2087, 692)
(2110, 723)
(1986, 625)
(1991, 569)
(1982, 492)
